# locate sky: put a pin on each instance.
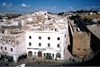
(53, 6)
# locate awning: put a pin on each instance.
(7, 57)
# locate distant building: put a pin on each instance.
(98, 12)
(12, 44)
(12, 26)
(39, 18)
(95, 20)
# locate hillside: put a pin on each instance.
(91, 16)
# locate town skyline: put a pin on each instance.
(54, 6)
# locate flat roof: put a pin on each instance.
(56, 32)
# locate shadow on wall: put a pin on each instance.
(69, 48)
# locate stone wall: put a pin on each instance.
(81, 43)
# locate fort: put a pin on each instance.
(80, 41)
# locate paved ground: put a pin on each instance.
(46, 62)
(95, 30)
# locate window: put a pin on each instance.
(9, 40)
(65, 35)
(39, 37)
(12, 40)
(55, 29)
(44, 54)
(58, 45)
(1, 47)
(78, 49)
(58, 55)
(29, 43)
(4, 39)
(84, 49)
(29, 37)
(58, 38)
(53, 55)
(5, 48)
(2, 31)
(48, 44)
(12, 49)
(48, 38)
(39, 44)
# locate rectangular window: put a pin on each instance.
(48, 44)
(39, 44)
(47, 54)
(65, 35)
(58, 38)
(48, 38)
(12, 49)
(12, 40)
(53, 55)
(39, 37)
(9, 40)
(1, 39)
(29, 37)
(58, 45)
(1, 47)
(78, 49)
(44, 54)
(55, 29)
(5, 48)
(29, 43)
(84, 49)
(4, 39)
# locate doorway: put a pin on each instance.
(30, 54)
(39, 54)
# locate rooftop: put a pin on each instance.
(11, 32)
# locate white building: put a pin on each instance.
(12, 43)
(98, 12)
(42, 44)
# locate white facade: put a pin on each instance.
(57, 42)
(12, 45)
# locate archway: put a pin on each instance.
(39, 54)
(58, 55)
(30, 54)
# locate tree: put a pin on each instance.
(61, 13)
(81, 11)
(49, 12)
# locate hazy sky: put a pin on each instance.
(54, 6)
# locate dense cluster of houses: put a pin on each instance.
(39, 34)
